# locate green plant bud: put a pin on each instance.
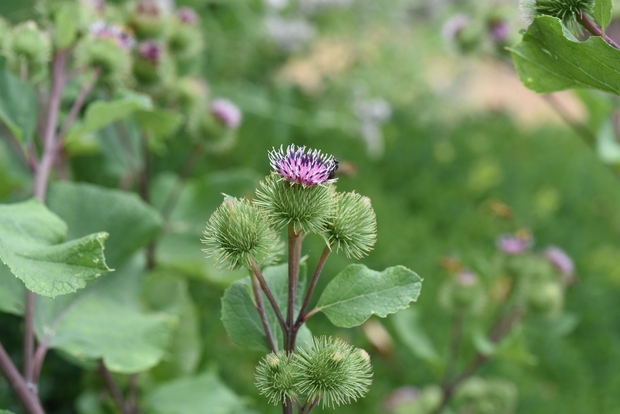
(239, 231)
(192, 92)
(275, 377)
(569, 11)
(105, 55)
(487, 396)
(333, 371)
(186, 39)
(462, 293)
(205, 127)
(353, 227)
(148, 20)
(310, 209)
(26, 43)
(545, 298)
(152, 66)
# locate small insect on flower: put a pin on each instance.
(332, 174)
(305, 167)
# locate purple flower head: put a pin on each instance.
(116, 33)
(151, 51)
(514, 244)
(308, 168)
(499, 30)
(226, 112)
(561, 261)
(188, 15)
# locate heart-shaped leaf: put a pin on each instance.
(106, 321)
(358, 292)
(87, 208)
(31, 246)
(550, 59)
(199, 394)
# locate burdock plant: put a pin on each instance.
(299, 198)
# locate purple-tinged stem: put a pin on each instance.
(312, 286)
(77, 106)
(41, 180)
(265, 288)
(589, 25)
(28, 399)
(295, 241)
(39, 357)
(260, 306)
(113, 389)
(49, 148)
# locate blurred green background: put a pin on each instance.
(434, 136)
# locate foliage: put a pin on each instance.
(380, 88)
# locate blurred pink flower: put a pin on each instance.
(514, 244)
(226, 112)
(561, 261)
(188, 15)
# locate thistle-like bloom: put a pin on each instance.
(515, 244)
(227, 113)
(298, 166)
(354, 225)
(561, 261)
(333, 371)
(239, 232)
(275, 377)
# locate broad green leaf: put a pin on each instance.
(411, 334)
(106, 321)
(101, 113)
(12, 292)
(87, 208)
(6, 412)
(602, 12)
(167, 291)
(241, 319)
(65, 28)
(550, 58)
(358, 292)
(30, 245)
(199, 394)
(18, 104)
